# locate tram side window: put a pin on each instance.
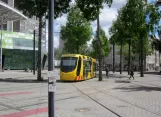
(87, 66)
(79, 67)
(94, 67)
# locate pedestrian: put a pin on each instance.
(107, 72)
(132, 74)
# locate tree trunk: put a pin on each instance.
(99, 46)
(121, 58)
(145, 62)
(129, 59)
(141, 57)
(113, 58)
(155, 60)
(139, 62)
(39, 50)
(159, 63)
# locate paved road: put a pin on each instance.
(114, 97)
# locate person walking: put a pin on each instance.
(107, 72)
(132, 74)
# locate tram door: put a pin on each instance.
(86, 68)
(79, 67)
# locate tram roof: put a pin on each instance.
(76, 55)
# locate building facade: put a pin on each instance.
(24, 26)
(17, 42)
(151, 62)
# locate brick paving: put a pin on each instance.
(128, 98)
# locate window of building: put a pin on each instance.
(16, 26)
(4, 26)
(6, 1)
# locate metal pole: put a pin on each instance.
(34, 53)
(51, 95)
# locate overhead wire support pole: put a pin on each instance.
(51, 84)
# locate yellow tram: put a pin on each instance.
(76, 67)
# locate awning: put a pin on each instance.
(8, 13)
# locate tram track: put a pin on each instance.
(116, 97)
(97, 102)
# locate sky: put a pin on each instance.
(106, 17)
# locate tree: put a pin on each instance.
(86, 50)
(90, 8)
(57, 53)
(38, 8)
(77, 31)
(91, 11)
(105, 45)
(119, 34)
(156, 44)
(133, 15)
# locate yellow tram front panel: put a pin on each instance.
(69, 76)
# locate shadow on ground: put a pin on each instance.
(153, 73)
(114, 76)
(22, 80)
(60, 81)
(138, 88)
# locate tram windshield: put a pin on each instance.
(68, 64)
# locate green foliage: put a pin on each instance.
(77, 31)
(118, 32)
(90, 7)
(132, 22)
(86, 50)
(125, 51)
(105, 45)
(156, 43)
(57, 53)
(39, 7)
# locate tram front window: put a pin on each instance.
(68, 64)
